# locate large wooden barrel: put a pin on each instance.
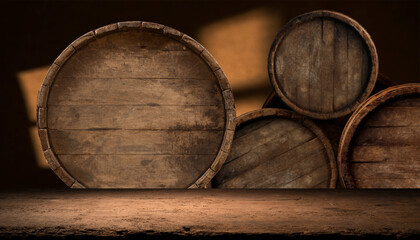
(135, 105)
(275, 148)
(323, 64)
(380, 145)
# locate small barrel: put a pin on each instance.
(323, 64)
(135, 105)
(380, 145)
(275, 148)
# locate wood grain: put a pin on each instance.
(380, 146)
(396, 116)
(391, 153)
(105, 170)
(323, 64)
(326, 71)
(154, 141)
(314, 35)
(261, 136)
(127, 117)
(273, 148)
(281, 171)
(332, 128)
(340, 68)
(388, 136)
(210, 214)
(122, 91)
(131, 93)
(269, 150)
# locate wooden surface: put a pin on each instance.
(323, 64)
(380, 146)
(275, 148)
(332, 128)
(210, 213)
(135, 105)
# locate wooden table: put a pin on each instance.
(212, 213)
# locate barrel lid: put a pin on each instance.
(276, 148)
(323, 64)
(135, 105)
(379, 146)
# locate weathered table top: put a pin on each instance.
(189, 213)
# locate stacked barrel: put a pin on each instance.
(141, 105)
(323, 66)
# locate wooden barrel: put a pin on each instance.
(275, 148)
(323, 64)
(380, 145)
(135, 105)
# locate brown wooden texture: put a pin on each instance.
(135, 105)
(380, 145)
(332, 128)
(211, 214)
(323, 64)
(275, 148)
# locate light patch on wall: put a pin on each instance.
(241, 44)
(250, 103)
(30, 82)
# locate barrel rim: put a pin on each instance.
(374, 64)
(140, 26)
(304, 121)
(375, 101)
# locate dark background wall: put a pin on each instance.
(35, 32)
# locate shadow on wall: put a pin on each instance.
(238, 34)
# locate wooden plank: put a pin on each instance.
(398, 116)
(283, 168)
(374, 174)
(136, 117)
(249, 128)
(327, 65)
(308, 170)
(392, 153)
(387, 183)
(365, 68)
(130, 91)
(257, 155)
(144, 171)
(282, 66)
(300, 71)
(315, 81)
(273, 130)
(340, 66)
(389, 136)
(355, 64)
(135, 141)
(184, 214)
(386, 169)
(109, 62)
(311, 179)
